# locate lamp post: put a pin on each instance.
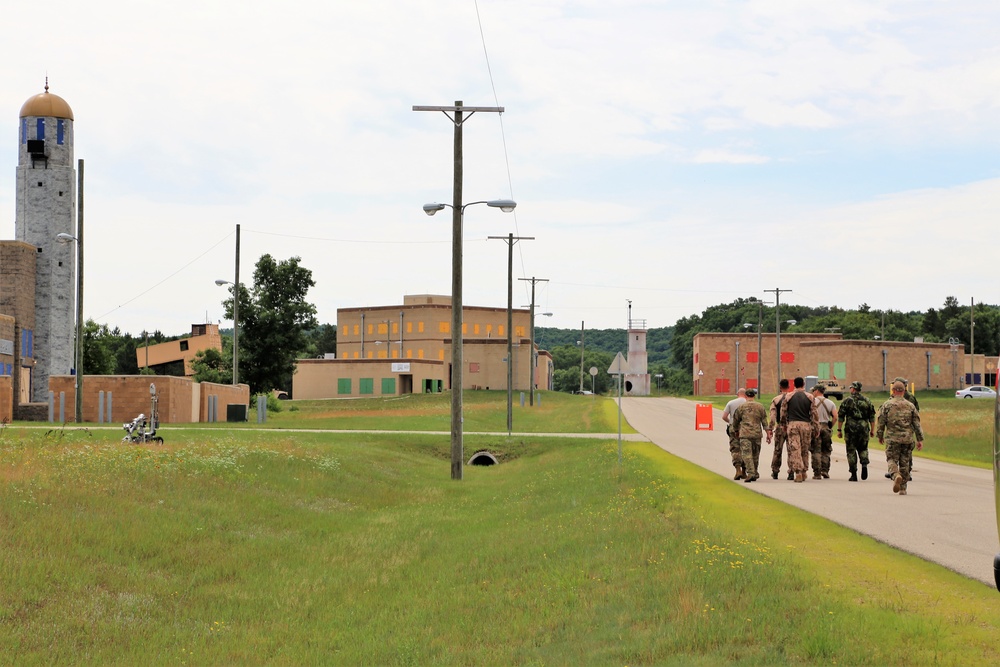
(505, 205)
(78, 350)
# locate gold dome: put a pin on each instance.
(46, 105)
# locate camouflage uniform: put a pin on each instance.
(857, 414)
(912, 399)
(799, 432)
(734, 437)
(822, 442)
(775, 425)
(898, 425)
(749, 421)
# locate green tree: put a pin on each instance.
(322, 340)
(274, 318)
(98, 349)
(211, 365)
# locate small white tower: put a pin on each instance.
(637, 378)
(46, 207)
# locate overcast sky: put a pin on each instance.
(678, 154)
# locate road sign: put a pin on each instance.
(619, 366)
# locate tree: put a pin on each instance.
(98, 349)
(211, 365)
(274, 318)
(322, 340)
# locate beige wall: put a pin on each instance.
(203, 337)
(130, 397)
(6, 399)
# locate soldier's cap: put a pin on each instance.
(897, 385)
(856, 385)
(751, 393)
(820, 388)
(903, 380)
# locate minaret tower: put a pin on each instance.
(46, 207)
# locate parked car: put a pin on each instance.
(976, 391)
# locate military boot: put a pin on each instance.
(854, 476)
(791, 476)
(864, 471)
(740, 473)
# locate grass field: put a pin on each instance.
(251, 547)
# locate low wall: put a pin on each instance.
(6, 399)
(228, 395)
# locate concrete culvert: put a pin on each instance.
(483, 458)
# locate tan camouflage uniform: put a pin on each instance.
(750, 421)
(822, 442)
(799, 433)
(899, 428)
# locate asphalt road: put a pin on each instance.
(948, 515)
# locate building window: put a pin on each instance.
(519, 331)
(388, 385)
(444, 327)
(344, 386)
(788, 357)
(409, 327)
(474, 367)
(475, 329)
(184, 346)
(752, 357)
(357, 330)
(722, 357)
(840, 370)
(40, 129)
(60, 131)
(823, 371)
(420, 327)
(500, 331)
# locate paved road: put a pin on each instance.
(948, 515)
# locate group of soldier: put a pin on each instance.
(801, 425)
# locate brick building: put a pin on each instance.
(404, 349)
(723, 362)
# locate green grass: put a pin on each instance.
(955, 430)
(319, 548)
(554, 412)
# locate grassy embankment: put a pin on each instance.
(317, 548)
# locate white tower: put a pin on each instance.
(637, 378)
(46, 206)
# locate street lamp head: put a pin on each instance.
(505, 205)
(747, 325)
(220, 282)
(65, 238)
(432, 208)
(546, 314)
(792, 322)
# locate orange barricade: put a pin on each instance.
(703, 417)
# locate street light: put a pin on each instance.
(505, 205)
(236, 328)
(78, 361)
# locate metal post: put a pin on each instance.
(79, 294)
(582, 345)
(236, 314)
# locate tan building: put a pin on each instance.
(203, 337)
(723, 362)
(395, 350)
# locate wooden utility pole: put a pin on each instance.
(511, 240)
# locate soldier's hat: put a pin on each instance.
(820, 388)
(751, 392)
(903, 380)
(856, 385)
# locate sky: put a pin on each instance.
(675, 154)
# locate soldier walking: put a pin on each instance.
(912, 399)
(899, 424)
(822, 443)
(734, 437)
(776, 426)
(856, 423)
(799, 416)
(749, 421)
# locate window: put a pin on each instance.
(519, 332)
(371, 329)
(357, 330)
(184, 346)
(40, 129)
(441, 355)
(475, 329)
(409, 327)
(722, 357)
(465, 328)
(444, 327)
(823, 371)
(500, 331)
(420, 327)
(722, 385)
(344, 386)
(366, 386)
(473, 367)
(383, 328)
(60, 131)
(388, 385)
(788, 357)
(840, 369)
(751, 383)
(751, 357)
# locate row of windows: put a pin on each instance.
(394, 354)
(366, 386)
(40, 130)
(382, 328)
(751, 357)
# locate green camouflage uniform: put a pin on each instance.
(857, 414)
(749, 421)
(774, 423)
(899, 425)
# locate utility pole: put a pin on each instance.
(534, 358)
(457, 210)
(972, 342)
(79, 295)
(511, 240)
(581, 356)
(777, 331)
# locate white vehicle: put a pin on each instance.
(976, 391)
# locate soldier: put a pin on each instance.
(899, 423)
(799, 417)
(749, 421)
(734, 438)
(778, 428)
(822, 443)
(912, 399)
(857, 421)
